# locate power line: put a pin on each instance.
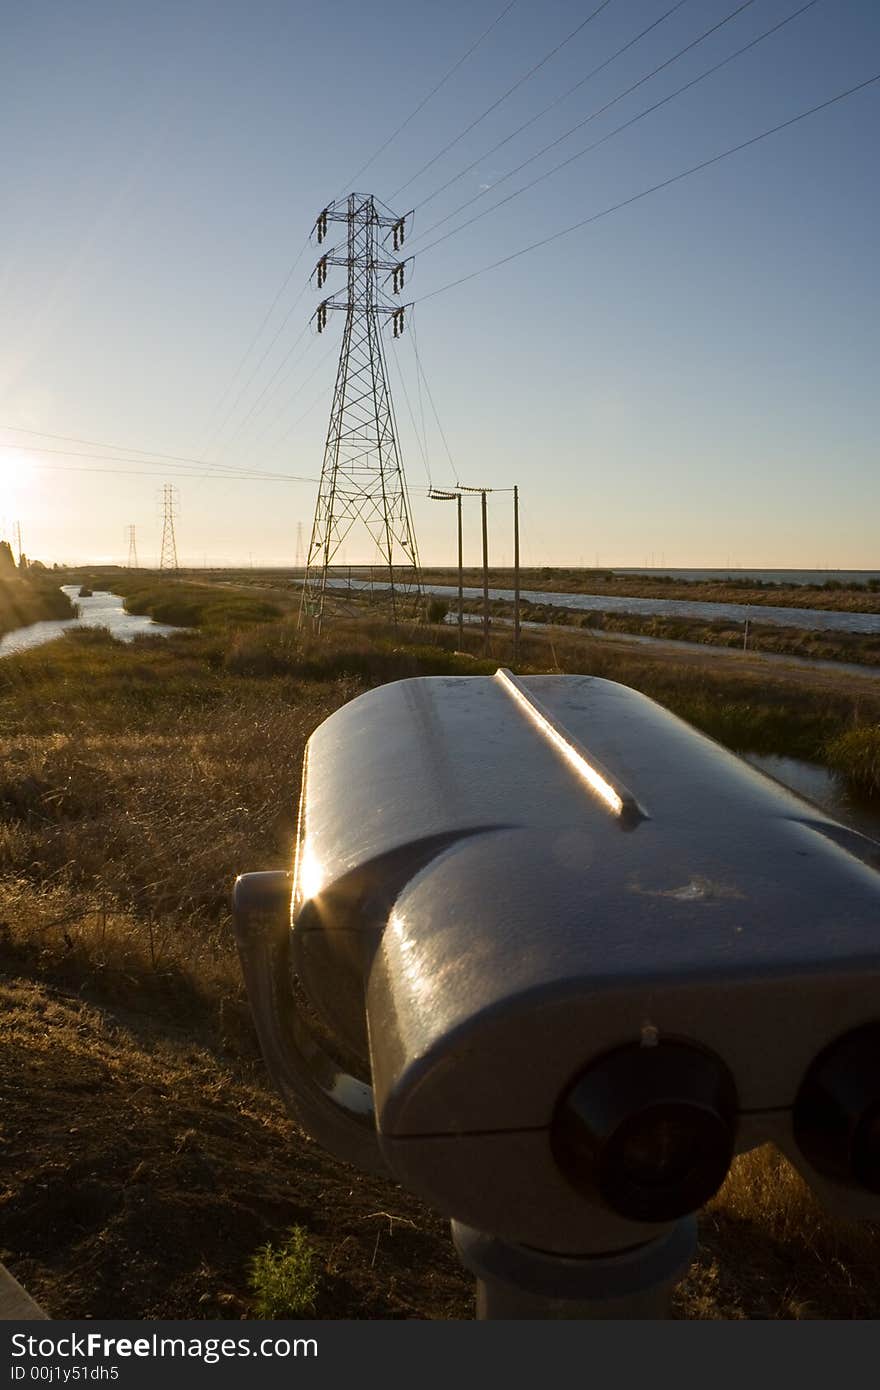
(419, 440)
(433, 92)
(255, 408)
(288, 431)
(600, 110)
(579, 154)
(246, 477)
(655, 188)
(285, 405)
(256, 370)
(519, 82)
(535, 68)
(556, 102)
(98, 444)
(227, 470)
(142, 473)
(270, 311)
(421, 372)
(230, 471)
(234, 474)
(478, 491)
(270, 384)
(419, 390)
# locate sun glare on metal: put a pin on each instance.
(309, 873)
(575, 759)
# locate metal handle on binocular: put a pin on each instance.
(335, 1107)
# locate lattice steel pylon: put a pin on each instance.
(362, 478)
(168, 553)
(132, 549)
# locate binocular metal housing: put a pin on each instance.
(550, 958)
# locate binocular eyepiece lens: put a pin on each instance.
(661, 1149)
(650, 1130)
(837, 1110)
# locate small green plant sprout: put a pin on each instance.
(284, 1281)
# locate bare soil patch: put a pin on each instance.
(140, 1172)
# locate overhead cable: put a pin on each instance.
(159, 459)
(430, 395)
(600, 110)
(143, 473)
(609, 135)
(433, 92)
(269, 312)
(556, 102)
(655, 188)
(510, 90)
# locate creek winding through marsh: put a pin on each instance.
(101, 610)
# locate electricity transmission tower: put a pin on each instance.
(362, 479)
(168, 553)
(132, 550)
(300, 547)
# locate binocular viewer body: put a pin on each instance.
(550, 957)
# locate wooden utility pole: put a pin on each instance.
(441, 495)
(460, 580)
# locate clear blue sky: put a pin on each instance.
(693, 378)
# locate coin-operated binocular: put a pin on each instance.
(549, 958)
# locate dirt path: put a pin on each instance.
(561, 644)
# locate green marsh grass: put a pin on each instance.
(856, 755)
(197, 605)
(31, 597)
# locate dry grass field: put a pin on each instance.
(143, 1155)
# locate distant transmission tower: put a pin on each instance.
(168, 554)
(18, 541)
(132, 550)
(300, 547)
(362, 476)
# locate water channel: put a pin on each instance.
(812, 618)
(825, 788)
(101, 610)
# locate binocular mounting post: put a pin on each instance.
(514, 1281)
